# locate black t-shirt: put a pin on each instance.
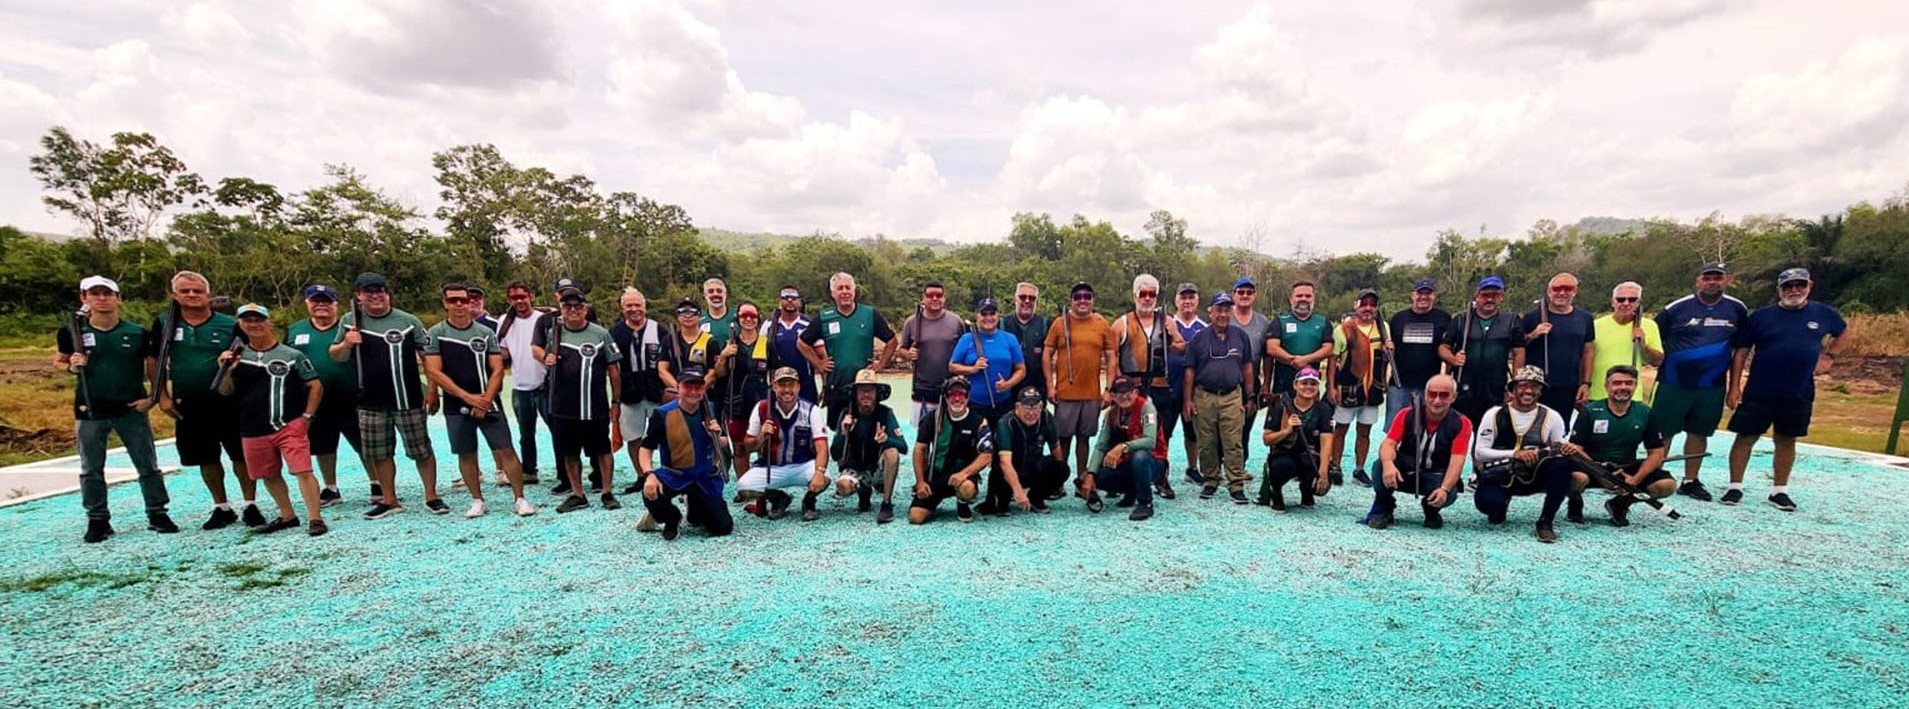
(1415, 339)
(1569, 333)
(1487, 344)
(1313, 423)
(956, 448)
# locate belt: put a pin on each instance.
(1218, 392)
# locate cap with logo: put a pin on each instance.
(320, 292)
(1424, 284)
(91, 282)
(254, 310)
(956, 382)
(1365, 293)
(1081, 286)
(1490, 282)
(1221, 298)
(1307, 374)
(986, 305)
(866, 378)
(1245, 282)
(568, 291)
(1793, 275)
(1122, 385)
(692, 374)
(1030, 396)
(1717, 268)
(369, 279)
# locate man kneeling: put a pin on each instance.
(1512, 442)
(1426, 437)
(684, 434)
(1610, 430)
(785, 434)
(1128, 438)
(868, 447)
(955, 444)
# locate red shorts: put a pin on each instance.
(289, 446)
(738, 429)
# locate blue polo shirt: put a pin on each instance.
(1217, 363)
(1786, 344)
(1003, 350)
(1698, 340)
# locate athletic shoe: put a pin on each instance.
(863, 499)
(1380, 520)
(530, 478)
(1546, 534)
(316, 528)
(1337, 476)
(329, 496)
(633, 488)
(437, 507)
(572, 504)
(222, 517)
(1164, 489)
(1040, 506)
(252, 517)
(779, 504)
(1094, 503)
(562, 488)
(457, 484)
(671, 531)
(886, 514)
(1141, 513)
(988, 508)
(1694, 490)
(377, 493)
(1193, 476)
(476, 510)
(161, 523)
(1620, 511)
(964, 512)
(500, 479)
(1433, 520)
(1206, 493)
(276, 525)
(1277, 502)
(809, 513)
(1731, 497)
(1495, 519)
(1057, 494)
(382, 510)
(610, 502)
(97, 530)
(1359, 476)
(1783, 502)
(1574, 508)
(524, 508)
(1125, 501)
(1239, 497)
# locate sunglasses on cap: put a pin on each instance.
(790, 296)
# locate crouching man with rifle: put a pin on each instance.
(1610, 430)
(1298, 426)
(1517, 453)
(1424, 452)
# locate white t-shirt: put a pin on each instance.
(526, 373)
(817, 424)
(1520, 422)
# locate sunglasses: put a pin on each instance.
(572, 306)
(1078, 297)
(1024, 298)
(750, 314)
(1625, 300)
(1149, 294)
(1440, 395)
(956, 394)
(1244, 291)
(1794, 286)
(790, 296)
(1564, 289)
(456, 300)
(934, 296)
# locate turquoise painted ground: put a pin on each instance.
(1207, 604)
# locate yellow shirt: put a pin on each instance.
(1612, 347)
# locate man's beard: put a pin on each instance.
(1303, 310)
(1793, 301)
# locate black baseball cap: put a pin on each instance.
(1717, 268)
(1122, 385)
(1030, 395)
(369, 280)
(691, 373)
(687, 307)
(986, 305)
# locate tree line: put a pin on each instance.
(147, 215)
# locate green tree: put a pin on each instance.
(121, 190)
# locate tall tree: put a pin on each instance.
(121, 190)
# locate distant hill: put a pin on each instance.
(1611, 225)
(742, 242)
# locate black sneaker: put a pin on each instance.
(1359, 476)
(275, 525)
(317, 528)
(1141, 513)
(376, 495)
(252, 517)
(329, 496)
(864, 499)
(1056, 494)
(437, 507)
(572, 504)
(1380, 520)
(632, 488)
(1433, 520)
(530, 478)
(1620, 511)
(1546, 534)
(1239, 497)
(809, 513)
(1574, 509)
(382, 510)
(610, 502)
(1694, 490)
(1040, 506)
(1094, 503)
(671, 530)
(886, 514)
(1125, 501)
(97, 530)
(1193, 476)
(987, 507)
(964, 512)
(1783, 502)
(161, 523)
(1337, 476)
(1164, 489)
(1731, 497)
(1277, 502)
(562, 488)
(1207, 493)
(1305, 496)
(1495, 519)
(222, 517)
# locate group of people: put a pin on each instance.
(1006, 406)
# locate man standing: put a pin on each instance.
(481, 309)
(1514, 435)
(841, 342)
(955, 444)
(276, 392)
(1359, 378)
(718, 320)
(785, 338)
(868, 447)
(337, 414)
(1025, 468)
(644, 344)
(786, 435)
(1624, 337)
(991, 360)
(1080, 349)
(1218, 368)
(584, 358)
(742, 376)
(1299, 431)
(1787, 340)
(1699, 331)
(1558, 336)
(109, 362)
(1186, 323)
(1124, 452)
(928, 341)
(464, 360)
(514, 333)
(206, 422)
(1424, 451)
(1296, 341)
(389, 345)
(1031, 329)
(685, 436)
(1256, 328)
(1483, 347)
(1609, 431)
(1415, 336)
(1143, 341)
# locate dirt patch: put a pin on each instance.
(1868, 375)
(40, 441)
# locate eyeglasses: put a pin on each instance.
(1624, 300)
(1440, 395)
(456, 300)
(1244, 291)
(1794, 286)
(572, 306)
(367, 290)
(933, 296)
(1564, 289)
(1024, 298)
(956, 394)
(190, 291)
(1078, 297)
(1149, 294)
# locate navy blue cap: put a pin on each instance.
(320, 291)
(368, 280)
(1246, 282)
(1492, 282)
(691, 373)
(1710, 268)
(1793, 275)
(1221, 298)
(986, 305)
(1424, 284)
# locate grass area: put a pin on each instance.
(1884, 335)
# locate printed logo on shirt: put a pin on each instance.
(1417, 334)
(1600, 427)
(394, 337)
(302, 339)
(89, 341)
(1813, 325)
(1292, 327)
(278, 368)
(587, 349)
(178, 334)
(479, 345)
(835, 328)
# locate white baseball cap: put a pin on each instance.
(91, 282)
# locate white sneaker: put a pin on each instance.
(476, 510)
(457, 484)
(524, 508)
(647, 524)
(499, 478)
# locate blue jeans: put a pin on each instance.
(528, 407)
(1134, 477)
(1384, 498)
(1396, 399)
(135, 431)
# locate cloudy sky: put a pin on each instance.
(1332, 126)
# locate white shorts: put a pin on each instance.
(1363, 415)
(635, 420)
(777, 477)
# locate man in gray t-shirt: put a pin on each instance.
(1254, 326)
(928, 340)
